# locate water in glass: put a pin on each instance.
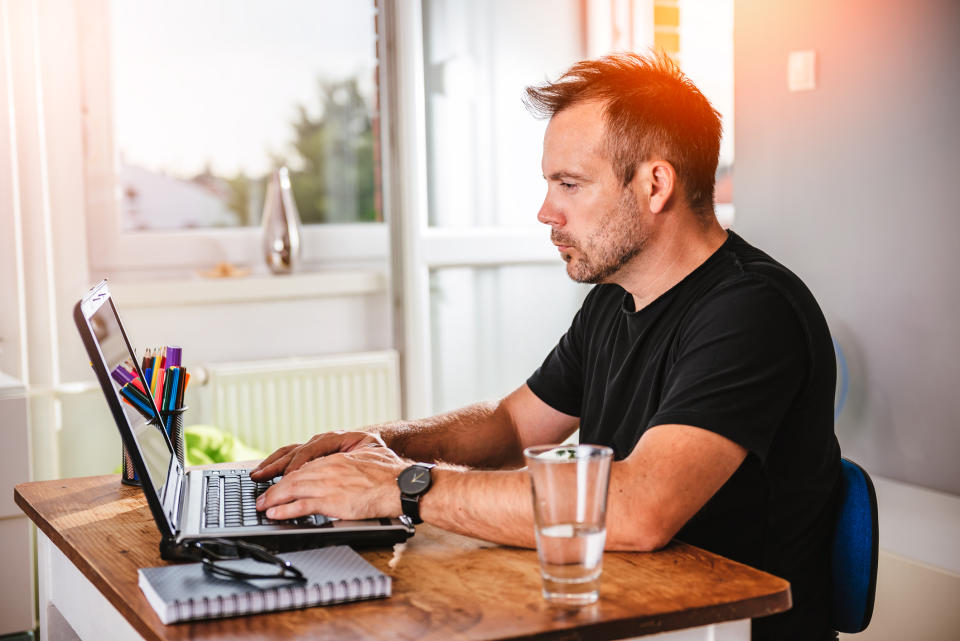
(571, 557)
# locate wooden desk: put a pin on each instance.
(95, 533)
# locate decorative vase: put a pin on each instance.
(281, 225)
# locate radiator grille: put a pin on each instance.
(268, 404)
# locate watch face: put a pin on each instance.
(414, 480)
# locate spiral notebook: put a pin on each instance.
(334, 575)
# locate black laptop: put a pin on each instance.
(190, 504)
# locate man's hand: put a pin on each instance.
(293, 457)
(358, 484)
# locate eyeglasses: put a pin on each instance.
(213, 552)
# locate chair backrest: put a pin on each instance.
(854, 551)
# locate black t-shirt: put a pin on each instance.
(738, 347)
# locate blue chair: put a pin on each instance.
(854, 551)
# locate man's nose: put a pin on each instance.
(549, 215)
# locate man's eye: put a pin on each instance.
(568, 186)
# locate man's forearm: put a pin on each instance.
(491, 505)
(498, 506)
(480, 435)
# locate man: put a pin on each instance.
(706, 365)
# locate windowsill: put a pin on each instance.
(254, 288)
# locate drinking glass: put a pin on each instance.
(569, 485)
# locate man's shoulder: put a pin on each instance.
(736, 280)
(755, 295)
(756, 265)
(743, 304)
(761, 275)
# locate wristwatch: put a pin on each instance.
(414, 483)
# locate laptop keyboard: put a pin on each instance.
(231, 497)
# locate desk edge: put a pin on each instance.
(84, 566)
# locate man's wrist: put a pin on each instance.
(385, 435)
(432, 504)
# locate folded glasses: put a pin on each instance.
(213, 552)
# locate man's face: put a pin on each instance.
(595, 222)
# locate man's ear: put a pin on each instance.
(661, 184)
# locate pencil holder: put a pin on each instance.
(173, 423)
(128, 475)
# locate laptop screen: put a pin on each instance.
(115, 350)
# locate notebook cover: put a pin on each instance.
(334, 575)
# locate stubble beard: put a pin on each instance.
(620, 238)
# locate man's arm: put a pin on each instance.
(485, 435)
(670, 475)
(352, 475)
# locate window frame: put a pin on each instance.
(111, 249)
(419, 247)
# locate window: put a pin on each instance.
(493, 295)
(190, 106)
(486, 294)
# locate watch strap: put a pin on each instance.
(411, 507)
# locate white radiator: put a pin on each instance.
(267, 404)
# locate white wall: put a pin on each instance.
(851, 185)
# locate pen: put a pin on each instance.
(136, 382)
(184, 379)
(167, 385)
(133, 391)
(172, 402)
(134, 399)
(121, 375)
